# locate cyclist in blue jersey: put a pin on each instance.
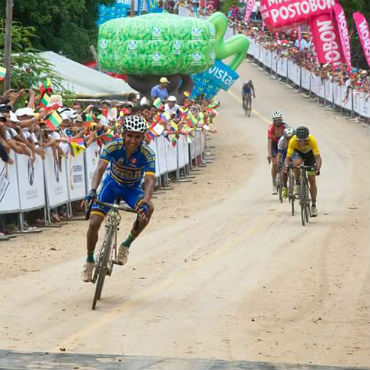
(247, 92)
(129, 160)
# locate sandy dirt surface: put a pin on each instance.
(224, 271)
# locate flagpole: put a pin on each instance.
(8, 43)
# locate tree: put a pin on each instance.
(351, 6)
(28, 67)
(66, 27)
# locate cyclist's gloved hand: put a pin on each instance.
(144, 207)
(91, 195)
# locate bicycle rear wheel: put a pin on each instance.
(249, 105)
(102, 266)
(291, 191)
(279, 183)
(303, 201)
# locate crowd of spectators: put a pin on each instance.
(27, 126)
(300, 49)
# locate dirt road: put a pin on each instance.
(224, 271)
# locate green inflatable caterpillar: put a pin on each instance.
(154, 45)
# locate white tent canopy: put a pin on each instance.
(84, 80)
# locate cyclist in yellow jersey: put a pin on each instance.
(305, 150)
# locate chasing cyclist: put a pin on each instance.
(129, 160)
(274, 133)
(247, 92)
(283, 142)
(305, 150)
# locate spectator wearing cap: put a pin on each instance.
(171, 107)
(10, 134)
(27, 119)
(160, 90)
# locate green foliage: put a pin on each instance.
(28, 67)
(227, 4)
(66, 27)
(351, 6)
(21, 36)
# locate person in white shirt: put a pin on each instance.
(171, 107)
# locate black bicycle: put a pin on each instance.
(304, 193)
(291, 181)
(279, 182)
(247, 104)
(107, 254)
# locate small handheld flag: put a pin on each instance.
(53, 121)
(157, 103)
(45, 100)
(76, 148)
(2, 73)
(45, 85)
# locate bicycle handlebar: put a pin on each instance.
(105, 204)
(307, 168)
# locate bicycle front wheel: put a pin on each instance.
(303, 201)
(103, 266)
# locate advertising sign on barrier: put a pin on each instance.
(282, 66)
(328, 91)
(55, 179)
(346, 97)
(257, 50)
(337, 94)
(356, 102)
(305, 79)
(9, 196)
(252, 45)
(267, 58)
(171, 154)
(162, 154)
(92, 154)
(365, 105)
(274, 58)
(31, 182)
(76, 178)
(320, 88)
(294, 73)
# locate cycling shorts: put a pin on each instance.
(308, 158)
(111, 190)
(274, 149)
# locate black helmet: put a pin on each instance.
(302, 133)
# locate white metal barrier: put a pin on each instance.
(25, 186)
(353, 101)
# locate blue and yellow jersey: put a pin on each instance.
(128, 171)
(304, 146)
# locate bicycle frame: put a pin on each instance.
(108, 250)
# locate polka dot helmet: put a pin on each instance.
(134, 124)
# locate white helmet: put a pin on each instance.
(289, 132)
(172, 98)
(277, 116)
(134, 124)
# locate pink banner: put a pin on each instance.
(341, 20)
(248, 10)
(363, 33)
(279, 15)
(326, 39)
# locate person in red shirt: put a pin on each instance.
(274, 133)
